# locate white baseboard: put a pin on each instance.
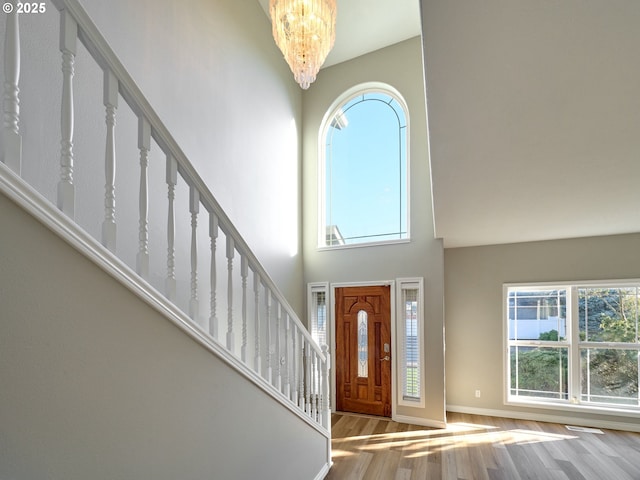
(424, 422)
(323, 472)
(545, 417)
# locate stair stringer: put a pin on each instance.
(58, 403)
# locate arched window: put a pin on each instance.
(363, 191)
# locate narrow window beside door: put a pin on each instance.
(318, 313)
(410, 342)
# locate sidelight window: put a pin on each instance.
(317, 299)
(410, 339)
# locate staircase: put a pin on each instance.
(201, 370)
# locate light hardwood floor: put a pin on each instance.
(477, 447)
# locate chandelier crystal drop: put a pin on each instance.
(305, 31)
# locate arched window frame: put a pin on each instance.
(336, 106)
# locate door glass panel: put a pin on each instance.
(363, 346)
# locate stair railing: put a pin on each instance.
(283, 358)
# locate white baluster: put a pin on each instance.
(318, 387)
(144, 144)
(294, 365)
(318, 383)
(278, 353)
(194, 208)
(256, 289)
(230, 255)
(301, 381)
(68, 36)
(314, 385)
(110, 100)
(11, 155)
(307, 377)
(325, 406)
(213, 315)
(172, 180)
(244, 271)
(267, 294)
(287, 366)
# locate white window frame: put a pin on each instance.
(415, 283)
(573, 343)
(360, 89)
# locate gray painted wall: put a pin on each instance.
(474, 323)
(533, 118)
(96, 384)
(401, 67)
(214, 75)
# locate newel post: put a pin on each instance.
(325, 406)
(11, 155)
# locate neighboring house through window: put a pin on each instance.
(573, 344)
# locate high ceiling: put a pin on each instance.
(392, 21)
(534, 111)
(534, 118)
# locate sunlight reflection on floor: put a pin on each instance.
(474, 447)
(426, 442)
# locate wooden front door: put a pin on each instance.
(363, 350)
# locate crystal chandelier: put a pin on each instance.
(305, 31)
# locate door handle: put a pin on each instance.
(386, 358)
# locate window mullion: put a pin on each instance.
(573, 314)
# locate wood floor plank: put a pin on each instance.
(570, 470)
(403, 474)
(360, 468)
(478, 448)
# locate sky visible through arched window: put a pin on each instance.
(366, 171)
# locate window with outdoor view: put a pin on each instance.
(576, 344)
(410, 334)
(317, 294)
(363, 194)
